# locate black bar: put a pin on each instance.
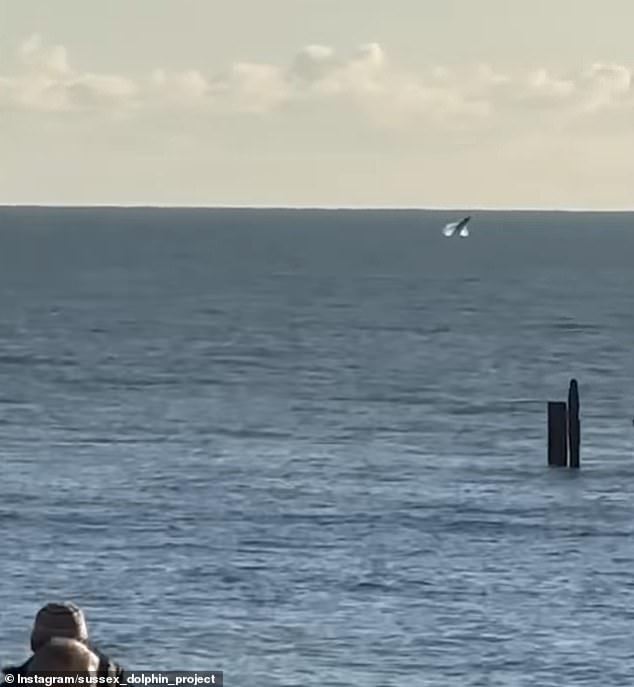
(557, 444)
(574, 426)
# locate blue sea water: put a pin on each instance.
(309, 447)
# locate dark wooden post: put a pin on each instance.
(557, 443)
(574, 428)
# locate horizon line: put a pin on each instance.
(428, 208)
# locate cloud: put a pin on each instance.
(43, 60)
(544, 87)
(93, 89)
(186, 85)
(47, 82)
(313, 63)
(606, 85)
(252, 87)
(363, 81)
(366, 80)
(363, 73)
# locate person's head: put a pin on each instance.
(61, 654)
(58, 620)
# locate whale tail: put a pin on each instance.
(457, 228)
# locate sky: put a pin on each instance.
(336, 103)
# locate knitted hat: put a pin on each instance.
(58, 620)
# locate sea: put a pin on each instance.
(309, 447)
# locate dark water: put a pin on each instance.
(308, 448)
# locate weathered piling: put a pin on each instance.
(557, 434)
(574, 427)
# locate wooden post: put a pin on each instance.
(557, 443)
(574, 427)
